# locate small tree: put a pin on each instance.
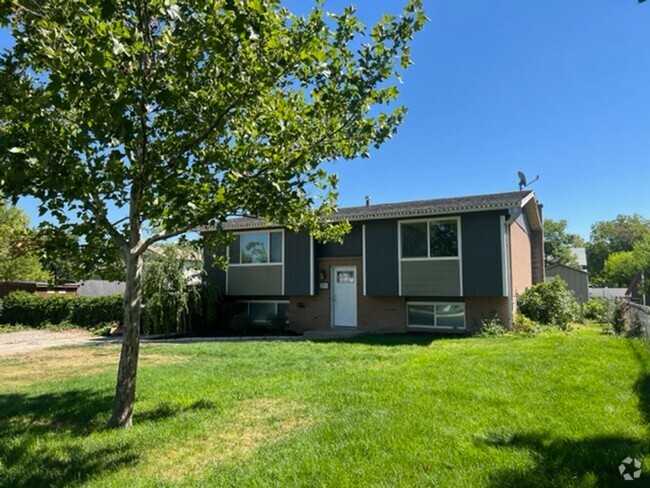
(549, 303)
(176, 114)
(18, 256)
(558, 243)
(169, 295)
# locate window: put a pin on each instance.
(262, 312)
(432, 239)
(256, 248)
(436, 315)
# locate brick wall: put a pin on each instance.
(379, 314)
(521, 270)
(537, 244)
(480, 308)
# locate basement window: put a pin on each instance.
(432, 315)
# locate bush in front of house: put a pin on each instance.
(550, 303)
(492, 327)
(25, 308)
(525, 326)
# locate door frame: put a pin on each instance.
(333, 271)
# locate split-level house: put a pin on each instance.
(443, 264)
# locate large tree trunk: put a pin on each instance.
(128, 368)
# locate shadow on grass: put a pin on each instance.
(587, 462)
(641, 350)
(167, 410)
(42, 439)
(412, 339)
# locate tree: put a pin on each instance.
(610, 236)
(68, 257)
(620, 268)
(143, 119)
(18, 259)
(558, 243)
(169, 289)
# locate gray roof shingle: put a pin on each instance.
(438, 206)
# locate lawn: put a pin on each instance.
(557, 410)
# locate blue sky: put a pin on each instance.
(559, 89)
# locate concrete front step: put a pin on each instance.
(324, 334)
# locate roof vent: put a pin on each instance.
(367, 200)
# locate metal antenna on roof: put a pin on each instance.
(522, 180)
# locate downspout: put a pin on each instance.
(514, 213)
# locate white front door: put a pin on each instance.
(344, 296)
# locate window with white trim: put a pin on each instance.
(435, 315)
(429, 239)
(256, 248)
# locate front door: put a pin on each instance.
(344, 296)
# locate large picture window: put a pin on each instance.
(256, 248)
(436, 315)
(431, 239)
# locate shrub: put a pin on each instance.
(241, 322)
(549, 303)
(21, 307)
(597, 310)
(277, 322)
(492, 326)
(524, 325)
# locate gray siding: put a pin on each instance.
(431, 278)
(255, 280)
(351, 246)
(297, 264)
(382, 268)
(577, 281)
(481, 254)
(215, 275)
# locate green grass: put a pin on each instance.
(558, 410)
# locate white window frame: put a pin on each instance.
(436, 327)
(428, 222)
(274, 302)
(268, 263)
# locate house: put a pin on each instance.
(100, 288)
(577, 280)
(441, 264)
(580, 253)
(37, 288)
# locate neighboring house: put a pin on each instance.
(192, 263)
(577, 280)
(580, 254)
(441, 264)
(37, 288)
(100, 288)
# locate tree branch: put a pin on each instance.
(161, 236)
(99, 211)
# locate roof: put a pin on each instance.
(581, 255)
(416, 208)
(552, 267)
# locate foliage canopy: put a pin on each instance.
(139, 120)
